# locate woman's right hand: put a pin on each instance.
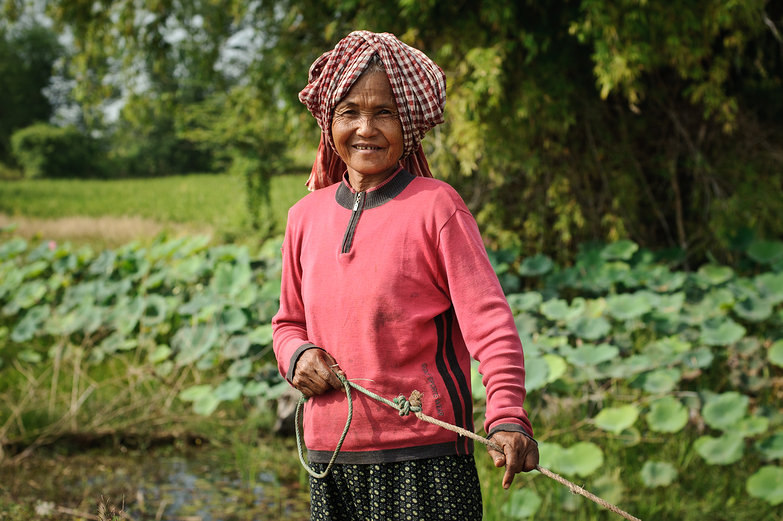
(316, 373)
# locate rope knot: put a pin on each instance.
(405, 406)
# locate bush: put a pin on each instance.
(44, 150)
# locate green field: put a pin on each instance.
(656, 388)
(216, 201)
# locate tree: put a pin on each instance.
(27, 54)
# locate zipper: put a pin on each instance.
(356, 212)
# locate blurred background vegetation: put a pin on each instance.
(623, 159)
(567, 121)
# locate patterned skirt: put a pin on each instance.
(444, 488)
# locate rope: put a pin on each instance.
(406, 406)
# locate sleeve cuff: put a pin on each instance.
(510, 427)
(295, 358)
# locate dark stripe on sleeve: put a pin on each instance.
(462, 382)
(444, 336)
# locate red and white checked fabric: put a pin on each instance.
(418, 85)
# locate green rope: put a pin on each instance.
(300, 445)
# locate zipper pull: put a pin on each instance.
(356, 203)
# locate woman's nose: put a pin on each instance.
(366, 125)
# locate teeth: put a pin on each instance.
(366, 148)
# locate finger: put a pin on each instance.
(513, 465)
(531, 459)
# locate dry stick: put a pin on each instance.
(413, 404)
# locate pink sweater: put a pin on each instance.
(396, 285)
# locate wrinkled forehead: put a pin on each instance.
(371, 90)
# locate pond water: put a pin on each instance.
(163, 484)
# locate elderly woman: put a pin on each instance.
(386, 280)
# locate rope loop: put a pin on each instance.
(405, 407)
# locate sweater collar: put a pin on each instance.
(376, 196)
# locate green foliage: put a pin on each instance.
(658, 474)
(44, 150)
(27, 54)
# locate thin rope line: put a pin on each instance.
(413, 405)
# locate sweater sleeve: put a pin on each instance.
(486, 322)
(289, 325)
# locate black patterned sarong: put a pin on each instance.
(443, 488)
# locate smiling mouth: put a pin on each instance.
(366, 147)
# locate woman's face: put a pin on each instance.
(367, 132)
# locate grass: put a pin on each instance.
(211, 204)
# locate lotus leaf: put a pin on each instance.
(627, 306)
(535, 265)
(277, 390)
(772, 447)
(522, 503)
(723, 411)
(663, 280)
(714, 275)
(67, 323)
(766, 252)
(671, 303)
(524, 301)
(117, 341)
(536, 372)
(232, 319)
(770, 285)
(103, 264)
(767, 484)
(270, 290)
(753, 309)
(548, 343)
(262, 335)
(188, 269)
(616, 419)
(255, 388)
(126, 314)
(721, 331)
(751, 426)
(34, 269)
(12, 247)
(206, 405)
(155, 310)
(606, 276)
(623, 249)
(590, 328)
(236, 347)
(229, 390)
(667, 414)
(582, 458)
(723, 450)
(699, 359)
(609, 487)
(557, 367)
(29, 356)
(160, 354)
(30, 324)
(28, 295)
(658, 474)
(229, 279)
(775, 353)
(191, 342)
(659, 381)
(557, 310)
(591, 355)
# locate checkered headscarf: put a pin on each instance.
(418, 85)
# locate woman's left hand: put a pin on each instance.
(520, 454)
